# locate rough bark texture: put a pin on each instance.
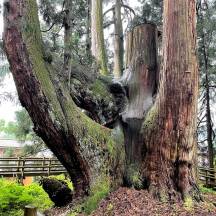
(97, 36)
(85, 148)
(170, 125)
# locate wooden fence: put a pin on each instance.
(207, 176)
(22, 167)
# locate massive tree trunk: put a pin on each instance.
(158, 122)
(97, 36)
(170, 125)
(160, 151)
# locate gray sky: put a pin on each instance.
(7, 108)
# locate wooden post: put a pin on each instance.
(49, 166)
(43, 163)
(18, 171)
(30, 211)
(22, 170)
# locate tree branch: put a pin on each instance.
(129, 8)
(109, 10)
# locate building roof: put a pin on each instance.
(8, 143)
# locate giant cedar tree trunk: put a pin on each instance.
(158, 122)
(169, 127)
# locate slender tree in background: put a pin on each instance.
(118, 41)
(118, 36)
(206, 29)
(67, 38)
(97, 36)
(158, 118)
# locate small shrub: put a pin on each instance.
(133, 177)
(13, 198)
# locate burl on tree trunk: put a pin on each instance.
(158, 121)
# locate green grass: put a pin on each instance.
(206, 190)
(99, 191)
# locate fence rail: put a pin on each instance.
(32, 166)
(207, 176)
(22, 167)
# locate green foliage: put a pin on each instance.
(206, 30)
(99, 191)
(133, 176)
(9, 152)
(24, 124)
(10, 129)
(151, 11)
(2, 125)
(13, 198)
(22, 130)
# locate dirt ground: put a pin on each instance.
(130, 202)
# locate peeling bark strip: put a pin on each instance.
(140, 78)
(169, 128)
(78, 142)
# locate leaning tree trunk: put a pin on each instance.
(86, 149)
